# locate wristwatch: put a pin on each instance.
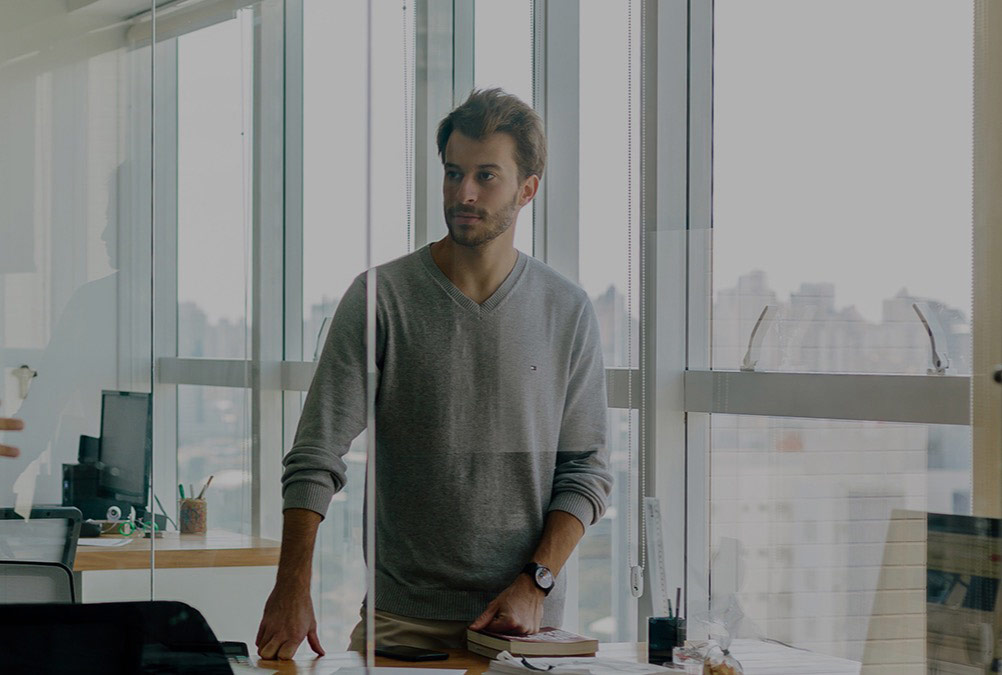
(541, 576)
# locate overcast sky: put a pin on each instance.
(842, 145)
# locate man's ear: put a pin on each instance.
(529, 189)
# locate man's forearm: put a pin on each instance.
(561, 534)
(299, 533)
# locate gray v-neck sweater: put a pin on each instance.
(487, 417)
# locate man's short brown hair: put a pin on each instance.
(489, 111)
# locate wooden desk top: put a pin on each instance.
(217, 548)
(459, 659)
(757, 657)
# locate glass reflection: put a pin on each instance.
(804, 524)
(75, 291)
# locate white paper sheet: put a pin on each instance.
(244, 669)
(362, 670)
(570, 665)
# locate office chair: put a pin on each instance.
(108, 639)
(50, 534)
(28, 581)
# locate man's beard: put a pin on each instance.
(490, 227)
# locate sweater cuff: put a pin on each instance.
(575, 504)
(306, 494)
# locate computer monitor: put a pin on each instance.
(126, 445)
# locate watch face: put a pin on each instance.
(544, 578)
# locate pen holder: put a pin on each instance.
(663, 634)
(193, 516)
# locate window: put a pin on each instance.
(502, 51)
(215, 95)
(608, 215)
(800, 514)
(842, 185)
(213, 439)
(334, 152)
(841, 204)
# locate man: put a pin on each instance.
(8, 424)
(490, 415)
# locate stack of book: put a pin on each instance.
(547, 642)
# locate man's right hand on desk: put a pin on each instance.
(288, 614)
(288, 619)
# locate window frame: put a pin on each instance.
(679, 391)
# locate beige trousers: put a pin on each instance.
(393, 629)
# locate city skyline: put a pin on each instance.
(736, 308)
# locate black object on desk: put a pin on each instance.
(114, 470)
(663, 634)
(406, 653)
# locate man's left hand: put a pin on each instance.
(517, 610)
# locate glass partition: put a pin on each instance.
(191, 203)
(339, 243)
(216, 134)
(75, 295)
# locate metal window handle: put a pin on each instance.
(24, 376)
(940, 360)
(755, 340)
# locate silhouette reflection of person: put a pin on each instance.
(80, 359)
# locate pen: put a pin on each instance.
(180, 488)
(206, 487)
(669, 608)
(678, 601)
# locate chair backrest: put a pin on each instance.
(108, 639)
(50, 534)
(23, 582)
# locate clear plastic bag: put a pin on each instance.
(718, 661)
(721, 624)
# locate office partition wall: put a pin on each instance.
(75, 263)
(767, 204)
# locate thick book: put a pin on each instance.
(547, 642)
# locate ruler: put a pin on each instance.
(656, 556)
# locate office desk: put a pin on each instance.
(757, 658)
(217, 548)
(226, 575)
(459, 659)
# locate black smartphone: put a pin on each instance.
(405, 653)
(236, 652)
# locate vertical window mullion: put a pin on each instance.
(293, 224)
(267, 257)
